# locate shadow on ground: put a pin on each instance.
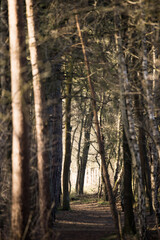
(85, 221)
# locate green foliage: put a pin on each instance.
(85, 198)
(101, 202)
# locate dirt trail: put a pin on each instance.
(85, 221)
(91, 221)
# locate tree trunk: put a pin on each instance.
(117, 160)
(146, 176)
(99, 138)
(67, 160)
(5, 124)
(20, 156)
(42, 156)
(78, 156)
(155, 184)
(129, 223)
(129, 125)
(84, 157)
(151, 115)
(55, 136)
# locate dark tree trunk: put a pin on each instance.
(55, 136)
(129, 223)
(79, 156)
(67, 160)
(146, 176)
(5, 124)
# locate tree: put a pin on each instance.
(129, 125)
(84, 157)
(67, 160)
(20, 155)
(149, 93)
(79, 159)
(42, 155)
(5, 122)
(99, 137)
(127, 78)
(55, 135)
(129, 223)
(142, 141)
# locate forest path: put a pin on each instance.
(85, 221)
(90, 219)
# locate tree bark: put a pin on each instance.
(67, 160)
(146, 176)
(79, 155)
(20, 156)
(151, 114)
(55, 136)
(42, 155)
(129, 126)
(117, 160)
(129, 223)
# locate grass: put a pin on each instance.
(103, 203)
(85, 198)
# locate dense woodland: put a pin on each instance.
(76, 67)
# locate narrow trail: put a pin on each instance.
(85, 221)
(91, 220)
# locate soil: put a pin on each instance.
(89, 220)
(85, 221)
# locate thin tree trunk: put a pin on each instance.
(146, 176)
(99, 138)
(67, 160)
(3, 53)
(5, 124)
(87, 131)
(117, 161)
(78, 155)
(103, 186)
(73, 136)
(129, 223)
(20, 156)
(42, 156)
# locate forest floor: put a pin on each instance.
(89, 219)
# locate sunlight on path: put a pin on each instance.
(85, 221)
